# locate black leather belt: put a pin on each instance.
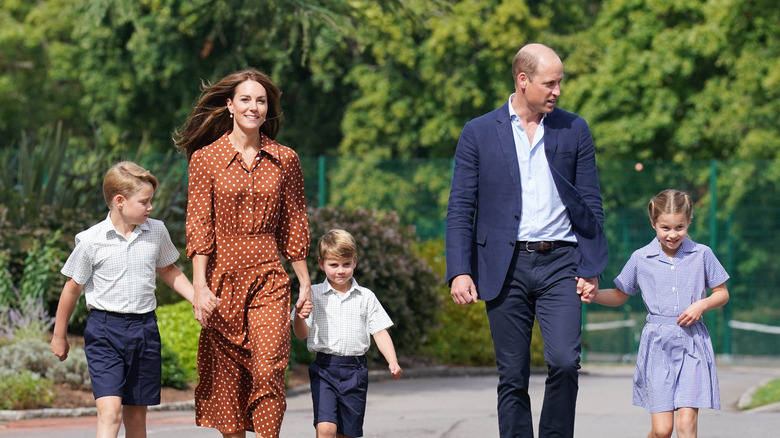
(542, 246)
(328, 359)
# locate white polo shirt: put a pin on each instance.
(119, 274)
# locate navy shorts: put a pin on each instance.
(124, 356)
(339, 385)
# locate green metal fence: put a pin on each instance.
(736, 214)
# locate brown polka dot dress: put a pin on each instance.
(243, 216)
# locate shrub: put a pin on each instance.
(73, 372)
(461, 334)
(174, 375)
(27, 355)
(179, 332)
(25, 390)
(28, 320)
(387, 264)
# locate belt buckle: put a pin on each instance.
(543, 246)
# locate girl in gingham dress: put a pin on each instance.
(675, 368)
(245, 207)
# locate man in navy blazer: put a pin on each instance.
(525, 234)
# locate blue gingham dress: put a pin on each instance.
(675, 365)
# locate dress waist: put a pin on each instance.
(245, 252)
(663, 319)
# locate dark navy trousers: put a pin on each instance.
(539, 285)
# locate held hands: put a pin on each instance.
(463, 290)
(305, 310)
(304, 296)
(587, 288)
(204, 303)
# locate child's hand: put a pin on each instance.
(692, 314)
(395, 370)
(60, 347)
(204, 303)
(587, 288)
(305, 309)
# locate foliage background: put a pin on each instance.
(382, 89)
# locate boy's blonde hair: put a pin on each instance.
(337, 245)
(670, 201)
(126, 178)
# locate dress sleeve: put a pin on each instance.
(628, 280)
(292, 234)
(200, 207)
(714, 272)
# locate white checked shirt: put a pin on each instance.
(342, 326)
(119, 274)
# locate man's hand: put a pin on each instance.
(463, 290)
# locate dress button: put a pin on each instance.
(512, 244)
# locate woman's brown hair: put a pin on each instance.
(210, 119)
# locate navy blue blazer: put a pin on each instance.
(484, 209)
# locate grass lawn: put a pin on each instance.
(767, 394)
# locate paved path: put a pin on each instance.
(460, 407)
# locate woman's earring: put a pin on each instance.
(231, 115)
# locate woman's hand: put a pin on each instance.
(204, 303)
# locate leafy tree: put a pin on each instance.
(33, 94)
(679, 80)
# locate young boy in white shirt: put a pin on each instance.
(115, 263)
(337, 325)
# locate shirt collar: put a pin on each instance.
(654, 249)
(226, 153)
(107, 227)
(514, 117)
(354, 287)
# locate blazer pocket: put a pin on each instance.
(481, 237)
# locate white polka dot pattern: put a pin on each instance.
(242, 217)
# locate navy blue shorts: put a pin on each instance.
(339, 385)
(124, 356)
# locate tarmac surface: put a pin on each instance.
(453, 403)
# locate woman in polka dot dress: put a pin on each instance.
(246, 205)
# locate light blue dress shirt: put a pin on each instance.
(543, 217)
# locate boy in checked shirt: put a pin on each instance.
(338, 325)
(116, 263)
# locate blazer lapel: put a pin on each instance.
(507, 144)
(550, 136)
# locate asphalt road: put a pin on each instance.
(463, 406)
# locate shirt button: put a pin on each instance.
(672, 267)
